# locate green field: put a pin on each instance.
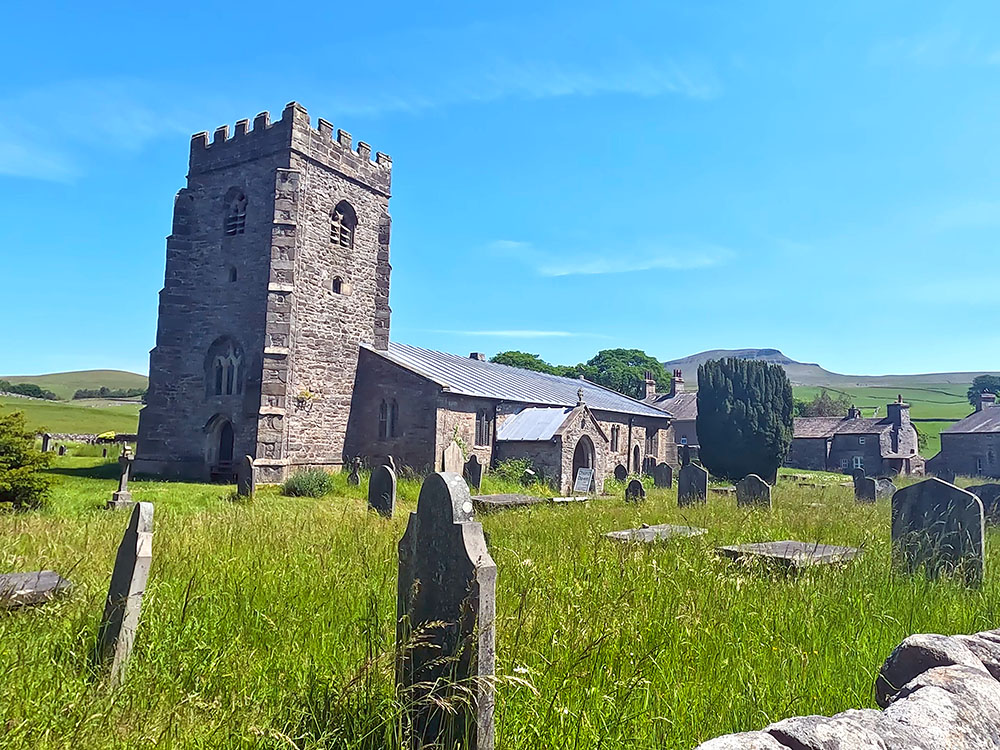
(90, 417)
(271, 625)
(65, 384)
(937, 402)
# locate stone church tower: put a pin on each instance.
(277, 270)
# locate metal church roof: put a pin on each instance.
(473, 377)
(533, 423)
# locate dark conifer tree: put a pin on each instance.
(744, 417)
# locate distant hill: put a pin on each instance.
(803, 373)
(65, 384)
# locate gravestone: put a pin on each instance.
(684, 455)
(857, 474)
(46, 439)
(584, 480)
(62, 450)
(635, 491)
(884, 487)
(621, 473)
(104, 453)
(29, 589)
(663, 475)
(122, 498)
(246, 477)
(989, 494)
(752, 490)
(446, 598)
(650, 534)
(648, 464)
(354, 478)
(865, 490)
(128, 584)
(472, 471)
(453, 458)
(791, 554)
(382, 490)
(938, 527)
(692, 485)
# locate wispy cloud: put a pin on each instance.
(667, 257)
(519, 334)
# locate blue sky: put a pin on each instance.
(567, 177)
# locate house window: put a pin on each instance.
(393, 418)
(383, 420)
(615, 432)
(343, 220)
(482, 427)
(858, 462)
(844, 463)
(861, 441)
(236, 215)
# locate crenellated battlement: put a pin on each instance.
(293, 130)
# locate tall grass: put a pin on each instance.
(272, 624)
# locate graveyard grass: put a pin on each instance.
(270, 624)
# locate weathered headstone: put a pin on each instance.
(684, 455)
(791, 554)
(453, 458)
(28, 589)
(752, 490)
(621, 473)
(446, 605)
(122, 498)
(104, 453)
(692, 485)
(884, 487)
(382, 490)
(865, 490)
(648, 464)
(46, 439)
(857, 474)
(354, 477)
(635, 491)
(472, 471)
(939, 528)
(246, 477)
(584, 480)
(658, 533)
(663, 475)
(62, 450)
(989, 494)
(128, 584)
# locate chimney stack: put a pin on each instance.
(898, 412)
(677, 383)
(854, 412)
(650, 385)
(478, 356)
(986, 400)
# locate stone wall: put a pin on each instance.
(964, 453)
(938, 693)
(807, 453)
(545, 456)
(846, 447)
(456, 419)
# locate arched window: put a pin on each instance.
(483, 427)
(236, 214)
(383, 420)
(393, 418)
(343, 220)
(615, 432)
(224, 368)
(338, 285)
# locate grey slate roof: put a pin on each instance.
(825, 427)
(472, 377)
(683, 405)
(987, 420)
(533, 423)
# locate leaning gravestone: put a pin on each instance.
(635, 491)
(122, 498)
(884, 487)
(663, 475)
(752, 490)
(621, 473)
(453, 458)
(446, 605)
(865, 490)
(938, 527)
(472, 471)
(128, 584)
(246, 479)
(382, 490)
(692, 485)
(354, 478)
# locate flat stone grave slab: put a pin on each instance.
(26, 589)
(722, 490)
(658, 533)
(498, 502)
(791, 554)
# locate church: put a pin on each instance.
(273, 334)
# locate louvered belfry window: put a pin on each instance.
(343, 220)
(236, 215)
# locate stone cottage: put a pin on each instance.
(273, 333)
(971, 445)
(878, 446)
(682, 405)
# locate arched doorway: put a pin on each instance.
(583, 456)
(226, 444)
(636, 460)
(220, 447)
